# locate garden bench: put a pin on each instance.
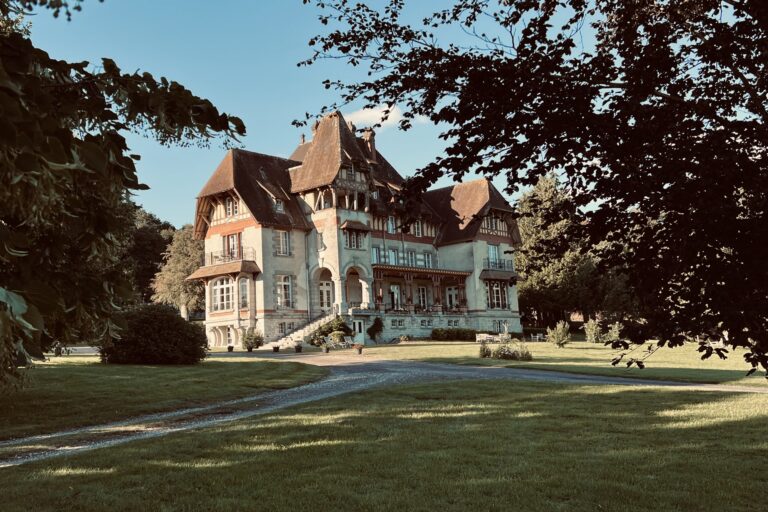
(348, 342)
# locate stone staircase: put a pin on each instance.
(287, 341)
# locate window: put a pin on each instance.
(391, 226)
(375, 255)
(221, 294)
(232, 246)
(230, 337)
(320, 242)
(417, 231)
(353, 239)
(428, 259)
(411, 259)
(283, 291)
(351, 174)
(394, 322)
(493, 253)
(375, 194)
(422, 296)
(279, 205)
(393, 257)
(423, 323)
(401, 323)
(243, 283)
(281, 328)
(326, 201)
(283, 243)
(496, 294)
(290, 326)
(231, 206)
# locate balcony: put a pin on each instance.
(234, 254)
(402, 261)
(498, 264)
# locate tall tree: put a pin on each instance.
(170, 285)
(65, 175)
(148, 243)
(654, 112)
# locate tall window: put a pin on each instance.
(493, 253)
(375, 255)
(393, 257)
(496, 294)
(243, 283)
(428, 259)
(417, 231)
(221, 294)
(283, 243)
(279, 205)
(411, 259)
(327, 200)
(351, 174)
(284, 291)
(231, 206)
(391, 226)
(232, 245)
(422, 296)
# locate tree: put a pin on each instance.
(654, 113)
(147, 245)
(66, 173)
(170, 285)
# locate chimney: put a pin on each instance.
(351, 126)
(303, 139)
(369, 137)
(314, 127)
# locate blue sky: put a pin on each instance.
(241, 55)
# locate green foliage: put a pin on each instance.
(485, 350)
(155, 334)
(513, 351)
(148, 241)
(253, 338)
(181, 259)
(592, 331)
(337, 324)
(376, 328)
(338, 336)
(658, 130)
(453, 334)
(65, 174)
(613, 334)
(560, 335)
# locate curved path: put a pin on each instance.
(349, 373)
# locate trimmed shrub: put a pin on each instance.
(252, 339)
(613, 333)
(155, 334)
(376, 328)
(485, 350)
(453, 334)
(593, 332)
(515, 351)
(337, 324)
(560, 336)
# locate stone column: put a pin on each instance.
(341, 295)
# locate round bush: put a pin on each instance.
(155, 334)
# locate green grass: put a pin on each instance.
(677, 364)
(451, 446)
(75, 391)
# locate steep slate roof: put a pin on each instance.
(332, 147)
(257, 178)
(462, 206)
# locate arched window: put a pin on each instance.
(221, 294)
(243, 283)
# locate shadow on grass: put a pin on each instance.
(450, 446)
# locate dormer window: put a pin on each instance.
(279, 205)
(231, 207)
(391, 224)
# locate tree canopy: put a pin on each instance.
(66, 173)
(182, 258)
(652, 112)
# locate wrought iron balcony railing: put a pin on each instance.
(498, 264)
(233, 254)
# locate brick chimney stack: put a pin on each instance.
(303, 139)
(369, 137)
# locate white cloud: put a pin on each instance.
(371, 116)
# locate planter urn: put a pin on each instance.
(359, 350)
(230, 348)
(297, 348)
(276, 349)
(250, 349)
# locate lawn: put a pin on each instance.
(74, 391)
(451, 446)
(677, 364)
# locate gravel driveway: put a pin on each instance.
(350, 372)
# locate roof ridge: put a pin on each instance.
(263, 154)
(457, 184)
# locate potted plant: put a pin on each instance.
(252, 339)
(275, 348)
(230, 348)
(297, 347)
(358, 347)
